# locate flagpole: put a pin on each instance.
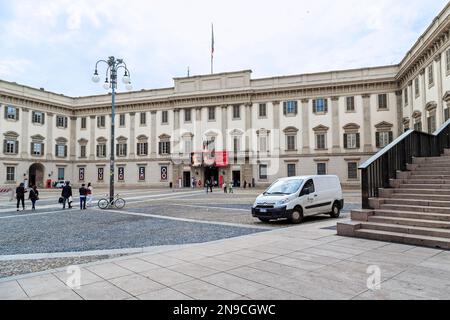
(212, 48)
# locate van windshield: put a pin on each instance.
(284, 187)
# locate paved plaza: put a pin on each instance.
(184, 244)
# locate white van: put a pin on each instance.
(297, 197)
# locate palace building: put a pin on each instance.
(228, 126)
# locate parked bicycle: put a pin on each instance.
(117, 202)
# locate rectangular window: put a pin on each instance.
(263, 171)
(320, 141)
(187, 146)
(83, 123)
(164, 147)
(10, 147)
(351, 141)
(406, 95)
(82, 151)
(350, 104)
(37, 149)
(61, 174)
(321, 168)
(101, 122)
(236, 144)
(143, 119)
(211, 113)
(263, 144)
(37, 117)
(100, 174)
(121, 150)
(122, 120)
(187, 115)
(430, 75)
(142, 148)
(10, 174)
(61, 151)
(291, 171)
(447, 60)
(291, 145)
(101, 150)
(417, 87)
(447, 114)
(383, 138)
(11, 113)
(290, 107)
(352, 170)
(141, 173)
(418, 126)
(61, 122)
(236, 112)
(165, 117)
(431, 124)
(262, 110)
(382, 101)
(320, 105)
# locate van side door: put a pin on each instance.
(308, 201)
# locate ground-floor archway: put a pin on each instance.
(36, 175)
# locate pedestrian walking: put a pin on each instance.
(33, 196)
(90, 194)
(20, 195)
(224, 187)
(245, 184)
(230, 187)
(207, 185)
(66, 194)
(211, 186)
(83, 195)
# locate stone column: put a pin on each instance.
(367, 124)
(440, 106)
(335, 125)
(305, 126)
(176, 131)
(400, 115)
(73, 139)
(411, 96)
(225, 126)
(132, 154)
(276, 128)
(153, 138)
(248, 127)
(92, 140)
(49, 145)
(24, 141)
(198, 134)
(424, 103)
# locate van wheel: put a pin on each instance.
(335, 211)
(264, 219)
(296, 216)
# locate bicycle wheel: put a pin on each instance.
(119, 203)
(103, 204)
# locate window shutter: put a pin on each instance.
(358, 140)
(17, 114)
(391, 136)
(146, 148)
(32, 116)
(43, 118)
(168, 147)
(56, 151)
(6, 112)
(42, 149)
(314, 106)
(125, 150)
(377, 138)
(160, 148)
(98, 150)
(296, 108)
(4, 146)
(117, 149)
(284, 108)
(17, 147)
(31, 148)
(65, 151)
(65, 122)
(345, 141)
(325, 102)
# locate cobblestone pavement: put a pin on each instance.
(151, 218)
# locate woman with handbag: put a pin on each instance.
(33, 196)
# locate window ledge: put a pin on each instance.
(383, 109)
(11, 120)
(350, 111)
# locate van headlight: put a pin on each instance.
(282, 202)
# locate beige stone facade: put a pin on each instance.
(326, 122)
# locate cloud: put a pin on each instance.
(10, 68)
(160, 39)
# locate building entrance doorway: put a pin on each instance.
(212, 174)
(36, 175)
(186, 179)
(237, 179)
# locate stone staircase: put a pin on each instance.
(415, 210)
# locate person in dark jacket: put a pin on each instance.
(66, 194)
(20, 195)
(33, 196)
(83, 194)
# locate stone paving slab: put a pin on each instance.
(267, 265)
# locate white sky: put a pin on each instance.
(55, 43)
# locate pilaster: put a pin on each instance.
(335, 124)
(132, 154)
(305, 126)
(367, 124)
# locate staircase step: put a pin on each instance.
(411, 222)
(415, 180)
(425, 186)
(419, 175)
(431, 172)
(413, 215)
(418, 202)
(431, 242)
(419, 231)
(434, 164)
(421, 191)
(413, 208)
(414, 196)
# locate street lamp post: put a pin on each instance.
(111, 83)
